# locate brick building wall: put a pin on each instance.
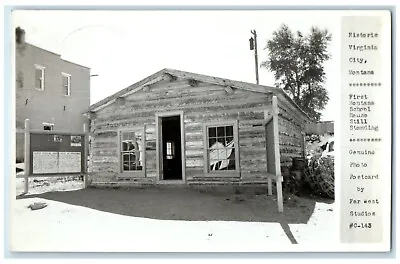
(49, 105)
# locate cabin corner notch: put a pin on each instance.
(146, 88)
(194, 82)
(120, 101)
(229, 90)
(170, 77)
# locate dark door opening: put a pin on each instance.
(171, 148)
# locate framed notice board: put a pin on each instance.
(52, 153)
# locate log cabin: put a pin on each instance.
(185, 128)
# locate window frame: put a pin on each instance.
(51, 125)
(42, 78)
(206, 166)
(133, 173)
(63, 74)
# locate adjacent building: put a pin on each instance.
(321, 128)
(51, 92)
(188, 128)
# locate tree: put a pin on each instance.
(20, 49)
(297, 63)
(20, 46)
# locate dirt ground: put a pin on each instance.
(183, 203)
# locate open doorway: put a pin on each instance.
(171, 148)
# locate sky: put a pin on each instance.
(123, 47)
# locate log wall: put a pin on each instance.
(200, 104)
(292, 125)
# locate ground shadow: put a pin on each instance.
(182, 203)
(187, 204)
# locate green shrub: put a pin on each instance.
(320, 175)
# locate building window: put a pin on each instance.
(39, 77)
(132, 153)
(170, 150)
(221, 146)
(48, 126)
(66, 84)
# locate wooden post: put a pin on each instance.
(85, 155)
(304, 144)
(27, 156)
(275, 110)
(267, 120)
(255, 53)
(158, 147)
(269, 186)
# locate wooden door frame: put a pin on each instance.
(159, 151)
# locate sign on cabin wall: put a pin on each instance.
(57, 154)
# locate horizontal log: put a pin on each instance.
(150, 164)
(292, 122)
(103, 177)
(249, 166)
(245, 141)
(103, 169)
(213, 180)
(186, 95)
(151, 137)
(292, 111)
(195, 152)
(199, 156)
(104, 159)
(252, 133)
(151, 174)
(105, 145)
(150, 129)
(108, 134)
(105, 152)
(129, 121)
(193, 128)
(240, 112)
(234, 106)
(252, 161)
(192, 162)
(194, 145)
(192, 124)
(256, 146)
(199, 117)
(193, 171)
(194, 137)
(207, 102)
(252, 123)
(172, 94)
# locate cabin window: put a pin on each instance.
(132, 153)
(221, 143)
(39, 77)
(66, 84)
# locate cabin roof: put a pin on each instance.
(168, 73)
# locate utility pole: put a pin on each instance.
(253, 46)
